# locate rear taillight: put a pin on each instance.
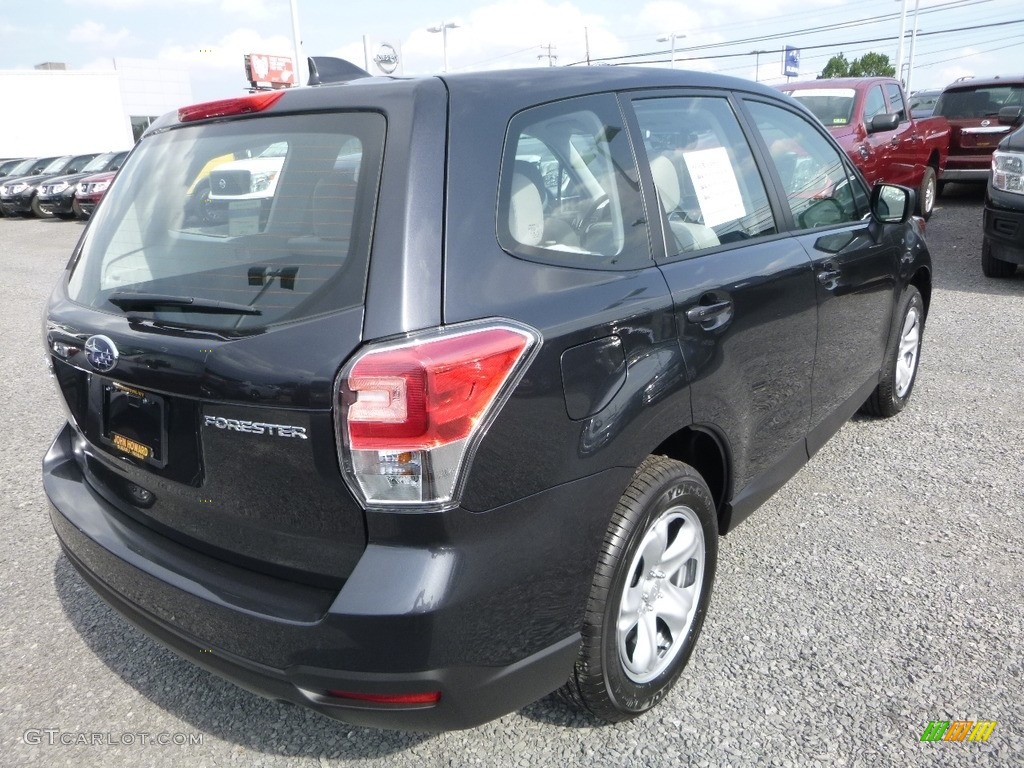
(240, 105)
(410, 414)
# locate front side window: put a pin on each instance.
(704, 173)
(270, 217)
(896, 100)
(569, 191)
(820, 188)
(874, 103)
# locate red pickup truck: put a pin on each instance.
(868, 116)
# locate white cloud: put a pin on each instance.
(228, 52)
(504, 34)
(96, 34)
(103, 63)
(250, 9)
(141, 5)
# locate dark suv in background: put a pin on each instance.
(56, 195)
(453, 413)
(12, 181)
(18, 195)
(972, 108)
(1002, 249)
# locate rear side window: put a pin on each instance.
(272, 215)
(820, 188)
(569, 190)
(707, 183)
(976, 103)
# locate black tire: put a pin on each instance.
(896, 386)
(38, 211)
(926, 194)
(993, 267)
(78, 210)
(664, 496)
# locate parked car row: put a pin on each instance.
(65, 186)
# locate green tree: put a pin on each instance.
(837, 66)
(872, 65)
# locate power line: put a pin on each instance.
(808, 47)
(793, 33)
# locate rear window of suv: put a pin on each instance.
(976, 103)
(270, 217)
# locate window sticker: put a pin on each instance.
(714, 182)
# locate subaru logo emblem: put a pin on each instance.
(101, 353)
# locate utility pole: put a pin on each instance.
(757, 65)
(586, 42)
(549, 55)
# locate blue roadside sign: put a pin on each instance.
(791, 62)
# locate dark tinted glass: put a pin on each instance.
(272, 214)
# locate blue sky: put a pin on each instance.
(210, 36)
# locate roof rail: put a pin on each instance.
(329, 69)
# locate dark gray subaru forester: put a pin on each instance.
(412, 401)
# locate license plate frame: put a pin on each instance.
(135, 423)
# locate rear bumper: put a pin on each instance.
(488, 618)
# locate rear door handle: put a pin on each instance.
(704, 312)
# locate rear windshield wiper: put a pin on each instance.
(156, 301)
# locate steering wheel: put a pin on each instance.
(591, 215)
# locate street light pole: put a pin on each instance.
(300, 62)
(913, 44)
(903, 31)
(672, 37)
(443, 28)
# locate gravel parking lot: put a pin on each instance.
(879, 590)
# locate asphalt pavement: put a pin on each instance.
(879, 590)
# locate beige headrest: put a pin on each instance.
(666, 180)
(526, 211)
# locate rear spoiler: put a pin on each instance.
(328, 69)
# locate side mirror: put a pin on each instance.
(892, 204)
(1011, 115)
(884, 122)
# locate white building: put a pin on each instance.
(54, 111)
